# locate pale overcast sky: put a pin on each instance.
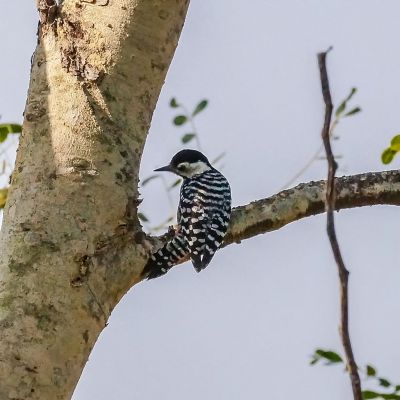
(246, 326)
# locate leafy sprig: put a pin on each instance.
(183, 119)
(387, 390)
(6, 166)
(343, 110)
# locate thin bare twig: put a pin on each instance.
(330, 207)
(303, 169)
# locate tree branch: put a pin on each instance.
(307, 199)
(255, 218)
(330, 227)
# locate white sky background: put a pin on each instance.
(245, 327)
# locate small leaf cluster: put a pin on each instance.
(392, 391)
(342, 109)
(185, 117)
(182, 119)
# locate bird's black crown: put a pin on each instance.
(190, 156)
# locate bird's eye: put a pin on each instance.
(181, 167)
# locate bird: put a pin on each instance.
(203, 215)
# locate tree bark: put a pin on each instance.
(96, 76)
(71, 242)
(308, 199)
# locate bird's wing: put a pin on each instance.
(196, 229)
(216, 228)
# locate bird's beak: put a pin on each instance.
(166, 168)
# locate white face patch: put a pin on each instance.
(189, 170)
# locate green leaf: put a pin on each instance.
(173, 103)
(343, 104)
(3, 197)
(397, 388)
(142, 217)
(390, 396)
(371, 371)
(5, 129)
(176, 183)
(149, 178)
(11, 128)
(187, 137)
(329, 355)
(388, 155)
(180, 120)
(395, 140)
(3, 136)
(395, 143)
(369, 394)
(200, 107)
(355, 110)
(384, 382)
(353, 91)
(341, 108)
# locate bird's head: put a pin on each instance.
(187, 163)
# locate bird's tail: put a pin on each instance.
(165, 258)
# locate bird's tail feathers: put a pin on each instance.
(165, 258)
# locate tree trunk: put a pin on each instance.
(71, 212)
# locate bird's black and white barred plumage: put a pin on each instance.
(203, 215)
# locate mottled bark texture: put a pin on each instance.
(307, 199)
(96, 75)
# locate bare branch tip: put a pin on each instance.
(351, 364)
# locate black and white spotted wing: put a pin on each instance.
(203, 216)
(205, 209)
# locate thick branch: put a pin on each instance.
(307, 199)
(330, 227)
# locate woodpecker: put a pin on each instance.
(203, 214)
